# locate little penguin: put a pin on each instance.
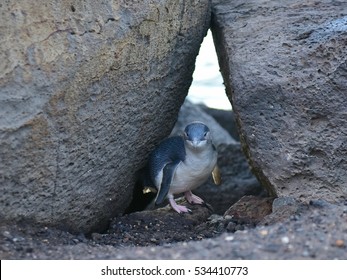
(180, 164)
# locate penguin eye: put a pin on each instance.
(205, 134)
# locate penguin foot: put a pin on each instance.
(178, 208)
(192, 198)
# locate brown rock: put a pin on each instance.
(86, 90)
(250, 209)
(340, 243)
(284, 66)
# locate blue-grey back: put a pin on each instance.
(169, 150)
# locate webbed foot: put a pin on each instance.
(192, 198)
(178, 208)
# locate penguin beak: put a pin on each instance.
(195, 143)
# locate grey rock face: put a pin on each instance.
(86, 90)
(284, 66)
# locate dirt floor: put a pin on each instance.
(315, 230)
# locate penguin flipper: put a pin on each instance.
(168, 173)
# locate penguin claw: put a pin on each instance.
(189, 212)
(178, 208)
(192, 198)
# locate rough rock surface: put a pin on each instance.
(86, 90)
(284, 64)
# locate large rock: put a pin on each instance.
(284, 64)
(86, 90)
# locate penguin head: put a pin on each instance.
(197, 135)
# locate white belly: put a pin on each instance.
(193, 172)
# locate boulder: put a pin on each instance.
(87, 89)
(284, 64)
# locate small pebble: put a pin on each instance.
(220, 227)
(214, 217)
(229, 238)
(339, 243)
(231, 227)
(285, 240)
(200, 237)
(239, 227)
(305, 253)
(6, 234)
(263, 232)
(96, 236)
